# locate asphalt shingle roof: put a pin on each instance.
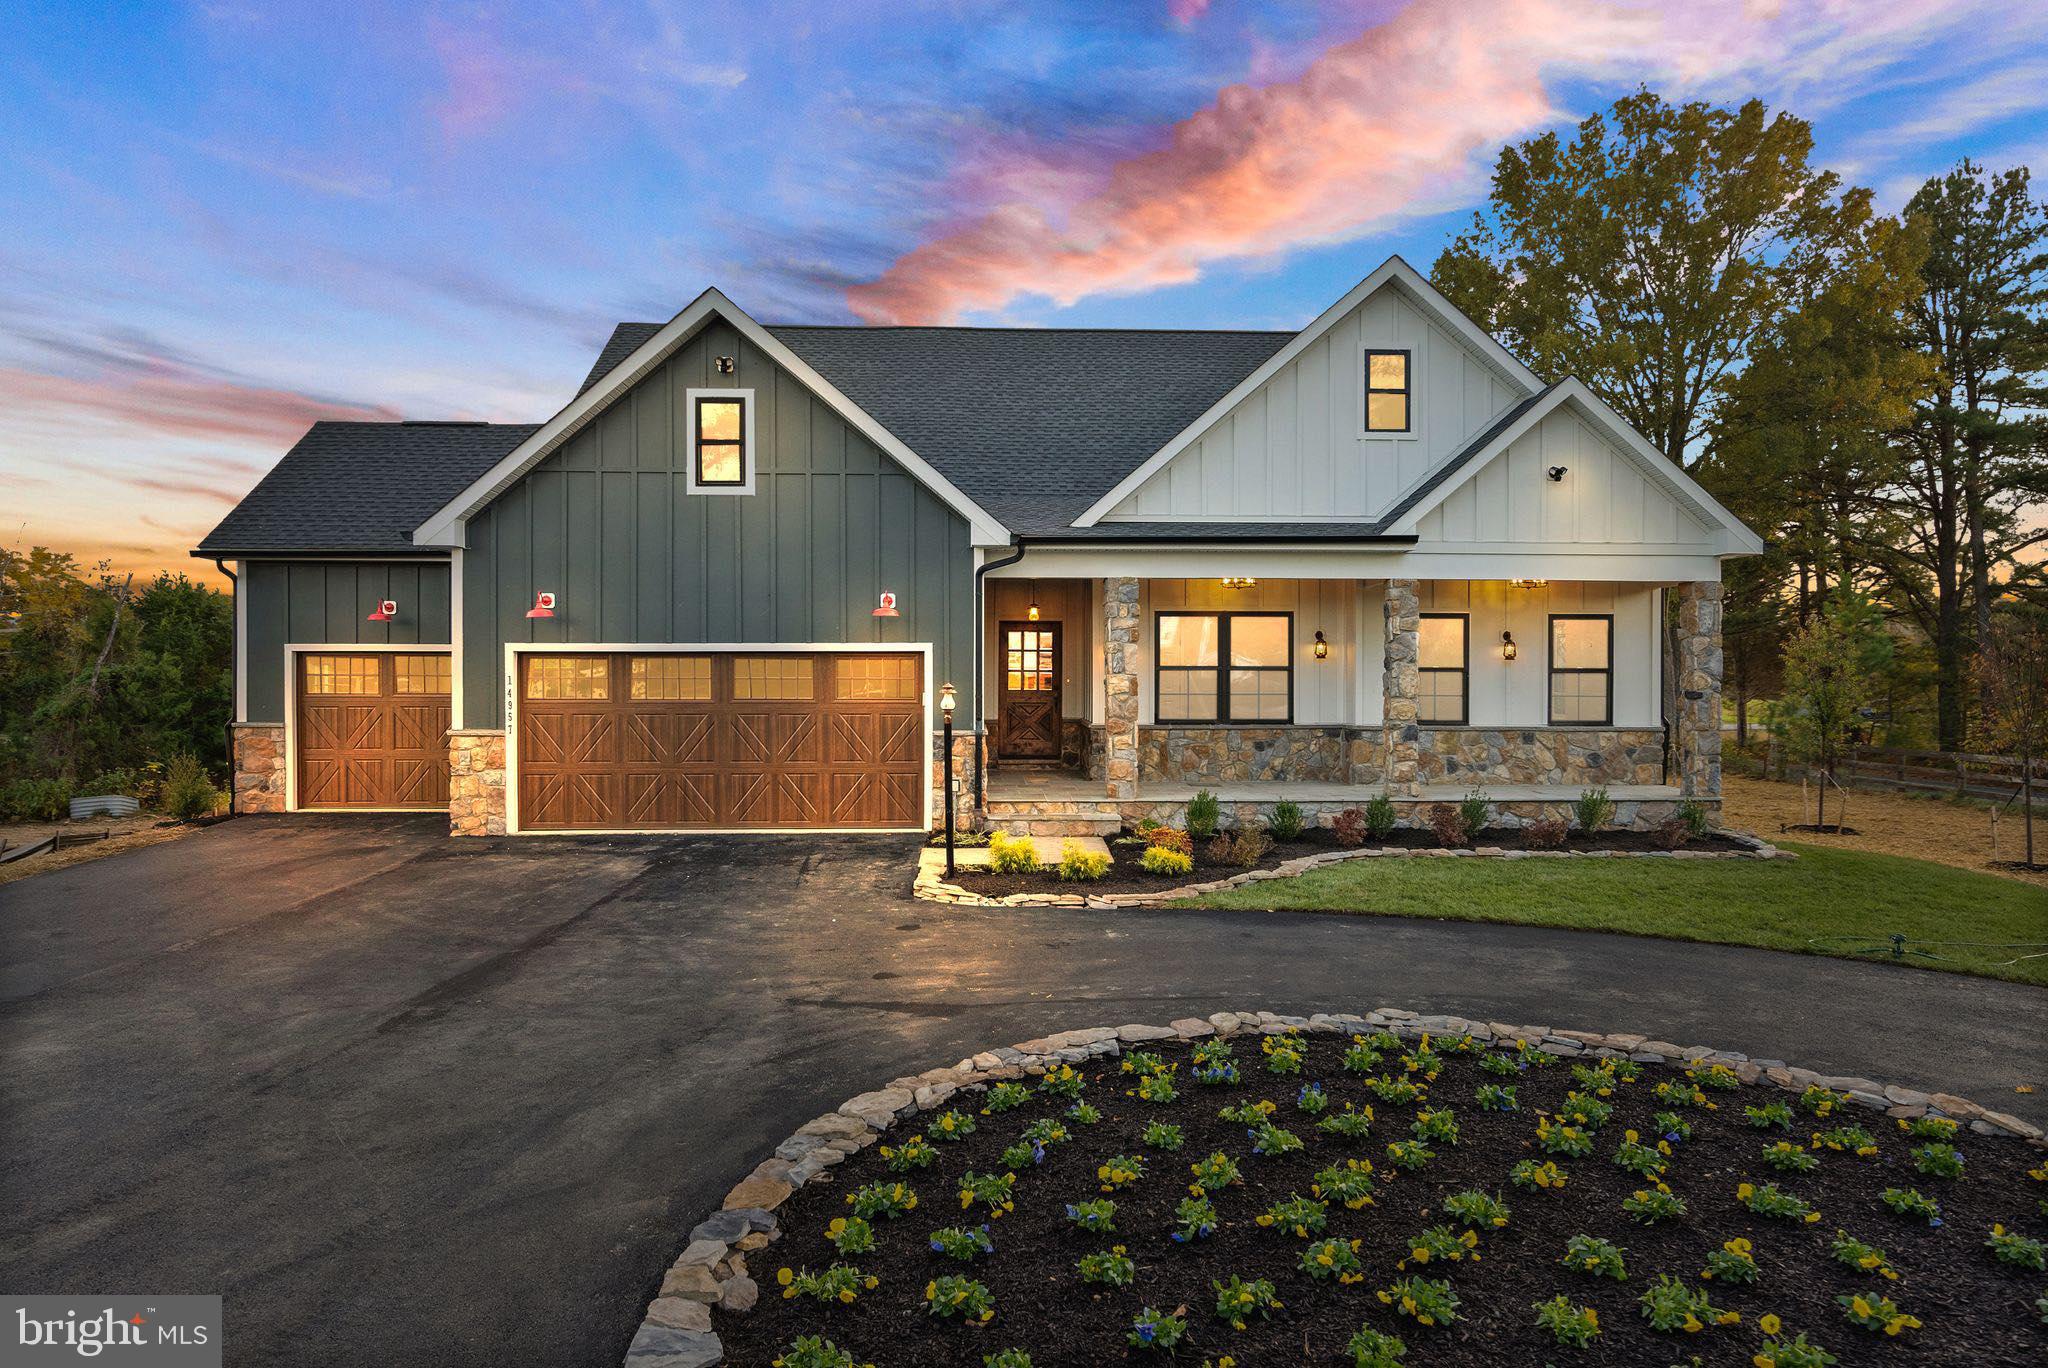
(1033, 424)
(360, 487)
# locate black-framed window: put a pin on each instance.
(721, 432)
(1581, 668)
(1388, 390)
(1223, 667)
(1443, 657)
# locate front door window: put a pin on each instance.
(1029, 725)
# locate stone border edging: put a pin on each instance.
(712, 1270)
(931, 887)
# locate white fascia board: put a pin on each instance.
(444, 528)
(1731, 537)
(1393, 270)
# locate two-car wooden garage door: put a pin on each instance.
(677, 740)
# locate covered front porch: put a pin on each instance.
(1118, 698)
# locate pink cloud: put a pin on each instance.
(1187, 11)
(482, 82)
(163, 397)
(1399, 121)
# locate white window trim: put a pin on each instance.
(748, 417)
(1414, 432)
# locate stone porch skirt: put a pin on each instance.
(1178, 753)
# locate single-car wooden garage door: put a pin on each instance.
(373, 729)
(673, 741)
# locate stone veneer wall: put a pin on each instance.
(964, 815)
(476, 783)
(1120, 621)
(1213, 755)
(259, 767)
(1401, 680)
(1541, 755)
(1696, 728)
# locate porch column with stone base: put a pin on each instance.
(1120, 686)
(1697, 729)
(1401, 682)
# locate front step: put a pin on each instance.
(1054, 817)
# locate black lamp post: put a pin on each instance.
(947, 702)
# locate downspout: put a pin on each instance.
(234, 654)
(980, 708)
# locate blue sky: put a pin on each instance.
(226, 220)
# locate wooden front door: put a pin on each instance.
(679, 741)
(1028, 724)
(373, 729)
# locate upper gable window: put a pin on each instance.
(1388, 377)
(721, 436)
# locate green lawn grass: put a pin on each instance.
(1776, 904)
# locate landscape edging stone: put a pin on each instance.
(712, 1269)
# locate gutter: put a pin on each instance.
(980, 708)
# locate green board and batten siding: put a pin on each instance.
(606, 523)
(314, 602)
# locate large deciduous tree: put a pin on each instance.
(1649, 254)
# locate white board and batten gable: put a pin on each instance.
(1289, 443)
(1470, 482)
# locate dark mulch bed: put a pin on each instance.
(1828, 829)
(1976, 1311)
(1126, 876)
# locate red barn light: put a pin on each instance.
(386, 611)
(543, 606)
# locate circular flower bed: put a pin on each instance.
(1378, 1199)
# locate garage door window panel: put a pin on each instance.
(340, 674)
(568, 677)
(673, 679)
(773, 678)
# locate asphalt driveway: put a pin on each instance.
(407, 1100)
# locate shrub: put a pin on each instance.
(1448, 822)
(188, 791)
(1082, 866)
(1204, 813)
(1380, 816)
(1694, 814)
(1670, 835)
(1285, 823)
(1545, 833)
(1249, 848)
(1221, 849)
(35, 800)
(1475, 809)
(814, 1351)
(1349, 827)
(1009, 854)
(1593, 810)
(1160, 860)
(1169, 838)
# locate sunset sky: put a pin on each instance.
(223, 221)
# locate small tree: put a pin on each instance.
(2014, 676)
(1832, 666)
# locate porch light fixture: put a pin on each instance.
(1032, 611)
(384, 612)
(1322, 647)
(543, 605)
(1507, 645)
(1528, 583)
(1238, 581)
(725, 365)
(948, 701)
(885, 605)
(1557, 474)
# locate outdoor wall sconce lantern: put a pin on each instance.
(1557, 474)
(543, 605)
(1507, 645)
(1322, 647)
(1032, 611)
(385, 611)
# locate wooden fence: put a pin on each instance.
(1994, 778)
